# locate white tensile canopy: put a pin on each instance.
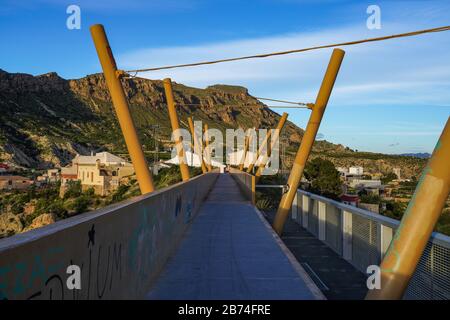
(193, 160)
(235, 158)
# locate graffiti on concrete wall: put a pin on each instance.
(117, 254)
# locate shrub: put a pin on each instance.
(57, 209)
(372, 199)
(120, 192)
(17, 208)
(73, 190)
(90, 192)
(79, 205)
(324, 178)
(264, 204)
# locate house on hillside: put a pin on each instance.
(397, 172)
(15, 183)
(357, 171)
(343, 172)
(351, 199)
(103, 172)
(4, 168)
(69, 174)
(363, 183)
(51, 176)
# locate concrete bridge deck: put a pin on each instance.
(230, 252)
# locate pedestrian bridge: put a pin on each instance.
(200, 239)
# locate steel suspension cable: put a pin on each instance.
(265, 55)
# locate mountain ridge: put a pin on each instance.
(48, 119)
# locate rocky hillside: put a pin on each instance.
(46, 120)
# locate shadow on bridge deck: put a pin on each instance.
(336, 278)
(230, 252)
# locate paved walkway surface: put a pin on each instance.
(336, 278)
(229, 252)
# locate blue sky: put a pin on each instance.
(390, 97)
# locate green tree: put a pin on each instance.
(370, 198)
(57, 208)
(79, 205)
(90, 192)
(395, 209)
(324, 178)
(389, 177)
(73, 189)
(120, 192)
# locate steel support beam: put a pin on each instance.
(244, 154)
(207, 151)
(417, 224)
(274, 139)
(197, 147)
(308, 139)
(119, 100)
(176, 129)
(259, 151)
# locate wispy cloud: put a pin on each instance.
(400, 71)
(394, 144)
(376, 77)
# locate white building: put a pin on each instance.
(397, 172)
(356, 170)
(361, 183)
(342, 170)
(102, 172)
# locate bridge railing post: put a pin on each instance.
(322, 220)
(294, 212)
(385, 235)
(305, 210)
(299, 201)
(253, 190)
(120, 103)
(347, 234)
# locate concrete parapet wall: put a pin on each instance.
(120, 248)
(246, 183)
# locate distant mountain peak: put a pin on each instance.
(420, 155)
(49, 75)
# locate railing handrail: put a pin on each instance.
(436, 237)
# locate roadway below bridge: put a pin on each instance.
(231, 252)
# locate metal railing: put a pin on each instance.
(362, 238)
(246, 183)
